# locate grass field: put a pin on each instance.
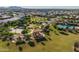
(57, 43)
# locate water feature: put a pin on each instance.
(65, 26)
(62, 26)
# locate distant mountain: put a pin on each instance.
(14, 7)
(27, 10)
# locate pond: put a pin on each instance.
(65, 26)
(62, 26)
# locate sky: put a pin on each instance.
(54, 7)
(62, 4)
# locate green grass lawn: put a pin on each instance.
(38, 19)
(57, 43)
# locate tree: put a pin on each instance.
(8, 44)
(32, 44)
(25, 31)
(20, 48)
(19, 42)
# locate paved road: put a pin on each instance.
(12, 19)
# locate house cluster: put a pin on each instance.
(34, 34)
(68, 23)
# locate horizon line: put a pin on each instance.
(46, 7)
